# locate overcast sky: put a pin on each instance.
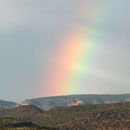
(30, 29)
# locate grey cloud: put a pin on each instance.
(29, 30)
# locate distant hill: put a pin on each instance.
(7, 104)
(47, 103)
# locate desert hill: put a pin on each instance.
(7, 104)
(47, 103)
(115, 116)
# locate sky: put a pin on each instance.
(61, 47)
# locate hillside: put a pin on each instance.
(20, 111)
(91, 117)
(7, 104)
(47, 103)
(82, 117)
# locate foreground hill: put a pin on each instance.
(7, 104)
(82, 117)
(47, 103)
(20, 111)
(91, 117)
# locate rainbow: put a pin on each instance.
(74, 58)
